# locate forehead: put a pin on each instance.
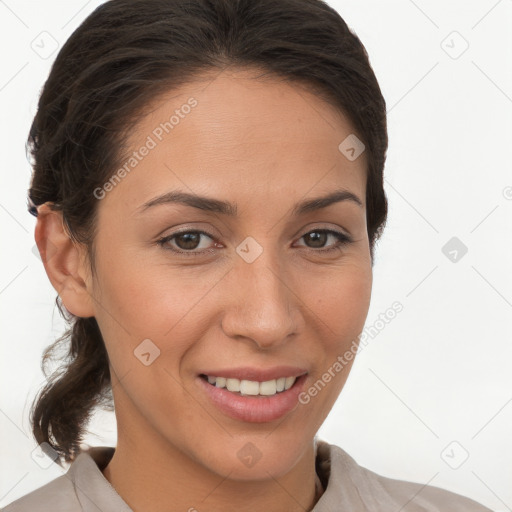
(239, 132)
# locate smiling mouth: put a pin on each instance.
(251, 387)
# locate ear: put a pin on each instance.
(65, 262)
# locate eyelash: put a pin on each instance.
(342, 241)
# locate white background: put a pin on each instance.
(440, 371)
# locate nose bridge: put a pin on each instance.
(262, 306)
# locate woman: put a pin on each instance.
(208, 185)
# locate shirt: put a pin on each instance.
(348, 487)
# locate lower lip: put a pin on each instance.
(254, 409)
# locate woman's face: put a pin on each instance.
(261, 295)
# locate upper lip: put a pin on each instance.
(256, 374)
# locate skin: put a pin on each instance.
(254, 143)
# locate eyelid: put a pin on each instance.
(327, 228)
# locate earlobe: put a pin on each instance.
(64, 262)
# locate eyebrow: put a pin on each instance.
(230, 209)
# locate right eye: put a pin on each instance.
(186, 241)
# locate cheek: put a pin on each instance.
(339, 309)
(159, 302)
(342, 301)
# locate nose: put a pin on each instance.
(263, 306)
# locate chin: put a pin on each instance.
(247, 458)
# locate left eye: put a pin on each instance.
(319, 236)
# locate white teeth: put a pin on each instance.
(288, 383)
(220, 382)
(251, 387)
(268, 387)
(233, 384)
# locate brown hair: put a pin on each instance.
(120, 58)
